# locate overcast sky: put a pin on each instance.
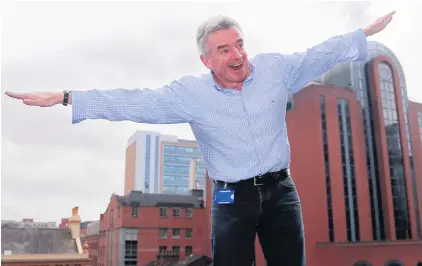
(50, 165)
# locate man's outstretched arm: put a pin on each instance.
(301, 68)
(167, 105)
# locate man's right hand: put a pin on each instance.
(43, 99)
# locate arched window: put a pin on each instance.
(394, 263)
(362, 263)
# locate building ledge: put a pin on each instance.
(369, 243)
(43, 257)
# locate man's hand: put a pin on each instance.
(379, 24)
(43, 99)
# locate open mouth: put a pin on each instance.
(236, 67)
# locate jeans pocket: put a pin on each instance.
(287, 183)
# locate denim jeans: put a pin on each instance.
(273, 212)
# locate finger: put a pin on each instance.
(389, 15)
(32, 102)
(21, 96)
(388, 20)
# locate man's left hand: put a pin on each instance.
(379, 24)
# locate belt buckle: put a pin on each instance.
(257, 178)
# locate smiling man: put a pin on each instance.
(237, 114)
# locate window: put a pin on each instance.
(176, 233)
(188, 250)
(189, 233)
(189, 212)
(162, 233)
(131, 249)
(147, 162)
(372, 166)
(162, 249)
(176, 212)
(163, 212)
(393, 134)
(157, 152)
(327, 170)
(134, 211)
(176, 248)
(349, 177)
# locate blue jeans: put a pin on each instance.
(272, 211)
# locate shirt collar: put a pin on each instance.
(248, 78)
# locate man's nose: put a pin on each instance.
(237, 54)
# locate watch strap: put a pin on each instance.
(66, 97)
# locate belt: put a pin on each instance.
(260, 180)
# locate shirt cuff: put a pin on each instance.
(79, 108)
(362, 43)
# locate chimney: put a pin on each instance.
(86, 248)
(75, 223)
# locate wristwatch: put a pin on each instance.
(66, 97)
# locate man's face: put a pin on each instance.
(226, 56)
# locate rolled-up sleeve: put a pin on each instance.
(166, 105)
(301, 68)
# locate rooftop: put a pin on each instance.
(138, 198)
(36, 241)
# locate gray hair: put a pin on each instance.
(211, 25)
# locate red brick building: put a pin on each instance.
(91, 239)
(140, 228)
(357, 162)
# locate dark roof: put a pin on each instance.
(192, 260)
(137, 198)
(195, 260)
(37, 241)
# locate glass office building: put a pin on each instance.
(178, 158)
(157, 163)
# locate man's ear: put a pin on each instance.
(206, 62)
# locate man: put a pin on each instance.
(237, 114)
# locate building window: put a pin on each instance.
(189, 212)
(327, 169)
(147, 162)
(188, 250)
(395, 153)
(176, 233)
(374, 182)
(176, 249)
(189, 233)
(162, 233)
(176, 167)
(176, 212)
(131, 255)
(157, 153)
(349, 177)
(162, 249)
(134, 211)
(163, 212)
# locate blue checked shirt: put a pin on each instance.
(241, 134)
